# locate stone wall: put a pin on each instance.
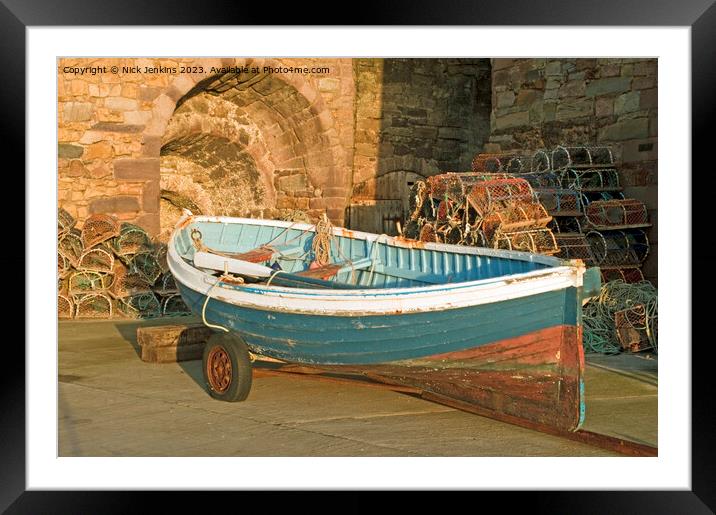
(541, 103)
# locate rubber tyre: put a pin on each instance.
(234, 384)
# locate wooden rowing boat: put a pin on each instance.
(497, 329)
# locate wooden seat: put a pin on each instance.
(330, 270)
(266, 252)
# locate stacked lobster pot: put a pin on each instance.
(110, 269)
(485, 208)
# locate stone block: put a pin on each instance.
(570, 109)
(518, 119)
(140, 118)
(603, 106)
(649, 99)
(293, 182)
(137, 169)
(121, 104)
(640, 150)
(151, 146)
(114, 204)
(505, 99)
(636, 128)
(67, 151)
(77, 111)
(643, 82)
(627, 103)
(526, 97)
(608, 86)
(150, 197)
(76, 169)
(99, 150)
(553, 68)
(116, 127)
(573, 88)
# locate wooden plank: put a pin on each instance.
(172, 343)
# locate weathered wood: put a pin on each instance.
(172, 343)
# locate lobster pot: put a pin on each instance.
(92, 305)
(65, 222)
(145, 263)
(515, 217)
(99, 228)
(628, 275)
(545, 180)
(536, 241)
(412, 230)
(86, 281)
(131, 240)
(173, 305)
(568, 224)
(65, 307)
(494, 194)
(98, 259)
(428, 233)
(570, 157)
(449, 233)
(63, 266)
(140, 305)
(127, 282)
(575, 246)
(592, 179)
(541, 162)
(166, 285)
(490, 163)
(447, 210)
(619, 248)
(70, 247)
(634, 328)
(617, 213)
(446, 186)
(560, 202)
(160, 254)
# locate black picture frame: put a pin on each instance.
(700, 15)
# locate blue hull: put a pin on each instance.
(342, 340)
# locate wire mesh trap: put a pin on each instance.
(611, 214)
(536, 241)
(146, 264)
(65, 222)
(591, 179)
(547, 179)
(490, 195)
(131, 240)
(626, 274)
(490, 163)
(428, 233)
(634, 327)
(166, 285)
(99, 228)
(70, 246)
(560, 202)
(575, 246)
(174, 305)
(92, 305)
(140, 305)
(160, 254)
(86, 281)
(65, 306)
(515, 217)
(581, 156)
(541, 161)
(126, 283)
(99, 259)
(619, 248)
(63, 266)
(568, 224)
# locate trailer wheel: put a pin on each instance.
(227, 367)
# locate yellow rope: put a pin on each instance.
(321, 244)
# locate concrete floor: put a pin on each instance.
(113, 404)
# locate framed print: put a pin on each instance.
(427, 256)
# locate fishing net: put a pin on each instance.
(575, 246)
(65, 307)
(99, 259)
(541, 180)
(449, 233)
(446, 186)
(593, 179)
(428, 233)
(568, 224)
(600, 322)
(541, 161)
(412, 230)
(140, 305)
(515, 217)
(617, 213)
(126, 282)
(92, 305)
(86, 281)
(619, 248)
(70, 246)
(146, 264)
(626, 274)
(560, 202)
(174, 305)
(536, 241)
(160, 254)
(633, 329)
(487, 196)
(166, 285)
(98, 228)
(489, 163)
(63, 266)
(65, 222)
(131, 240)
(571, 157)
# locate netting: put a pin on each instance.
(536, 241)
(592, 179)
(99, 259)
(99, 228)
(146, 264)
(131, 240)
(140, 305)
(70, 246)
(160, 254)
(126, 282)
(574, 246)
(92, 305)
(490, 195)
(63, 266)
(617, 213)
(86, 281)
(65, 306)
(541, 161)
(546, 179)
(174, 305)
(428, 233)
(65, 222)
(633, 329)
(628, 274)
(582, 156)
(412, 230)
(166, 285)
(598, 316)
(515, 217)
(490, 163)
(560, 202)
(568, 224)
(619, 248)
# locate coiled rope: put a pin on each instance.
(600, 334)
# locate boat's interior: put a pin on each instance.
(354, 263)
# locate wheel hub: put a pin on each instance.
(218, 365)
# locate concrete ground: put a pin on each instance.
(113, 404)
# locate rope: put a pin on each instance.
(268, 283)
(600, 334)
(321, 244)
(203, 309)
